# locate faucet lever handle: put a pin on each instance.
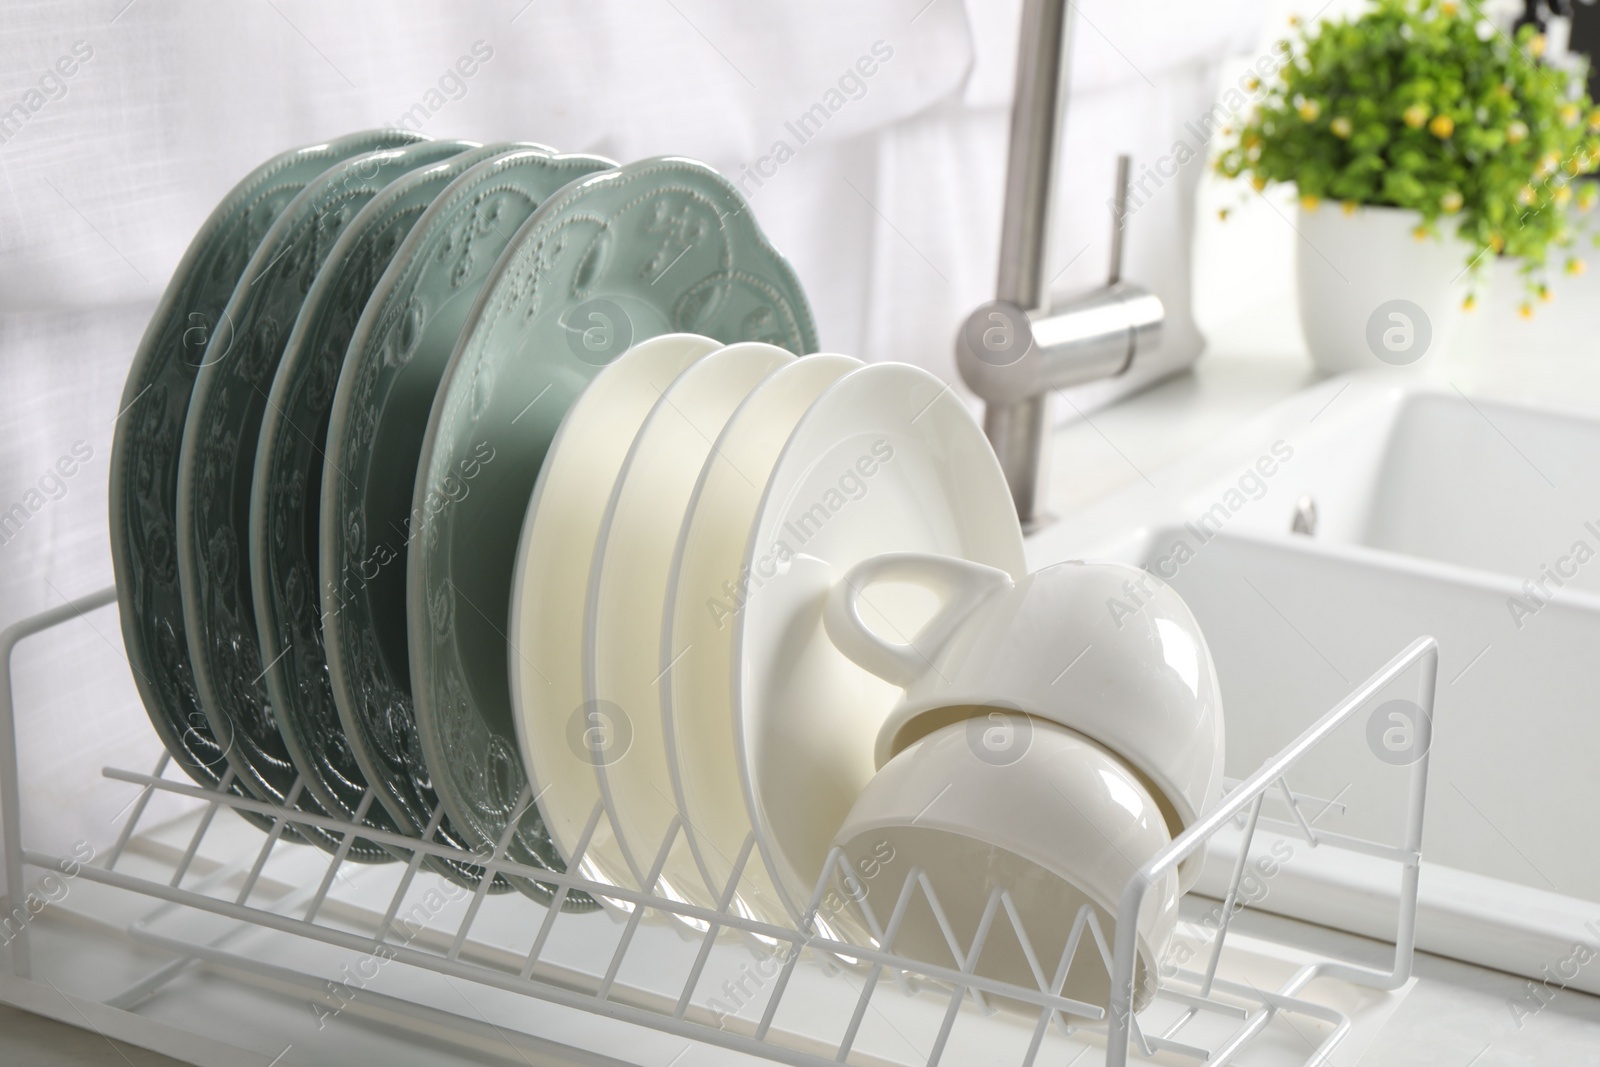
(1119, 216)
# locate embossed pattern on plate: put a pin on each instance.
(216, 465)
(397, 355)
(286, 489)
(149, 432)
(664, 245)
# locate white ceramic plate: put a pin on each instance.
(887, 460)
(549, 593)
(696, 654)
(627, 600)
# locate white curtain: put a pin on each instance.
(122, 124)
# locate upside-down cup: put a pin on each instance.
(1107, 650)
(1043, 815)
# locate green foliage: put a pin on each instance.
(1422, 104)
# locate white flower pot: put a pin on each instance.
(1371, 293)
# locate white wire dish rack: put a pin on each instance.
(727, 980)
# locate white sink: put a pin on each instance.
(1438, 515)
(1487, 486)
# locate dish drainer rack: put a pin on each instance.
(237, 889)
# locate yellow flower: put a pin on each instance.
(1349, 207)
(1442, 126)
(1570, 114)
(1563, 196)
(1536, 45)
(1576, 266)
(1222, 213)
(1497, 243)
(1551, 160)
(1309, 202)
(1253, 84)
(1545, 295)
(1451, 201)
(1416, 115)
(1594, 121)
(1420, 233)
(1294, 20)
(1527, 196)
(1448, 9)
(1517, 132)
(1341, 128)
(1258, 182)
(1470, 302)
(1309, 110)
(1525, 310)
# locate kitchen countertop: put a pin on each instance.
(26, 1038)
(1255, 361)
(1457, 1015)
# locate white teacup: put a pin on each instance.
(1062, 826)
(1104, 649)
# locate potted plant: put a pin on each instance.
(1421, 139)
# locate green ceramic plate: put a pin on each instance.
(661, 246)
(397, 354)
(149, 431)
(217, 462)
(287, 485)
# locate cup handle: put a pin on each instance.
(960, 584)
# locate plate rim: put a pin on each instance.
(405, 269)
(673, 721)
(209, 389)
(276, 423)
(774, 856)
(748, 351)
(150, 364)
(554, 209)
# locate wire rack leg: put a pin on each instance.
(137, 813)
(650, 886)
(482, 889)
(147, 987)
(340, 855)
(1233, 895)
(724, 902)
(10, 787)
(406, 879)
(267, 846)
(201, 828)
(554, 910)
(793, 957)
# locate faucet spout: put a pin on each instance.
(1016, 349)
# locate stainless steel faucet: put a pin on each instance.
(1014, 350)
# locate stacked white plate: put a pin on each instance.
(687, 724)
